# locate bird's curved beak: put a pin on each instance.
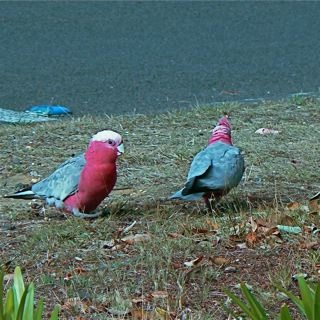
(120, 149)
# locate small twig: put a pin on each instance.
(128, 228)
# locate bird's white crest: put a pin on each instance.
(105, 135)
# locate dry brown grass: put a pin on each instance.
(102, 281)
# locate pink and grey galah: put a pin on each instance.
(81, 183)
(215, 170)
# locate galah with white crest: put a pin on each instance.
(215, 170)
(81, 183)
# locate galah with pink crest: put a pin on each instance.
(215, 170)
(81, 183)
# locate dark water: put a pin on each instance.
(120, 57)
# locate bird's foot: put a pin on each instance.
(76, 213)
(211, 206)
(212, 203)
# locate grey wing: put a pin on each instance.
(63, 181)
(199, 166)
(218, 167)
(224, 173)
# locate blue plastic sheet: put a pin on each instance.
(49, 110)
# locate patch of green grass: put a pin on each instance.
(84, 266)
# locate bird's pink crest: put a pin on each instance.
(221, 132)
(224, 121)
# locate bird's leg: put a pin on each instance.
(207, 201)
(58, 203)
(211, 200)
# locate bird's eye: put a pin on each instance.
(111, 142)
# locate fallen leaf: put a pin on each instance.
(309, 245)
(174, 235)
(199, 230)
(79, 270)
(242, 245)
(267, 131)
(193, 262)
(263, 223)
(159, 294)
(71, 274)
(140, 299)
(253, 224)
(219, 260)
(75, 302)
(285, 219)
(235, 238)
(270, 231)
(118, 247)
(309, 229)
(293, 205)
(68, 276)
(139, 237)
(176, 265)
(314, 205)
(251, 239)
(212, 225)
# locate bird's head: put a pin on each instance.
(111, 138)
(225, 122)
(222, 131)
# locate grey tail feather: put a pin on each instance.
(189, 197)
(22, 194)
(176, 195)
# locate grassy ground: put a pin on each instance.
(174, 259)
